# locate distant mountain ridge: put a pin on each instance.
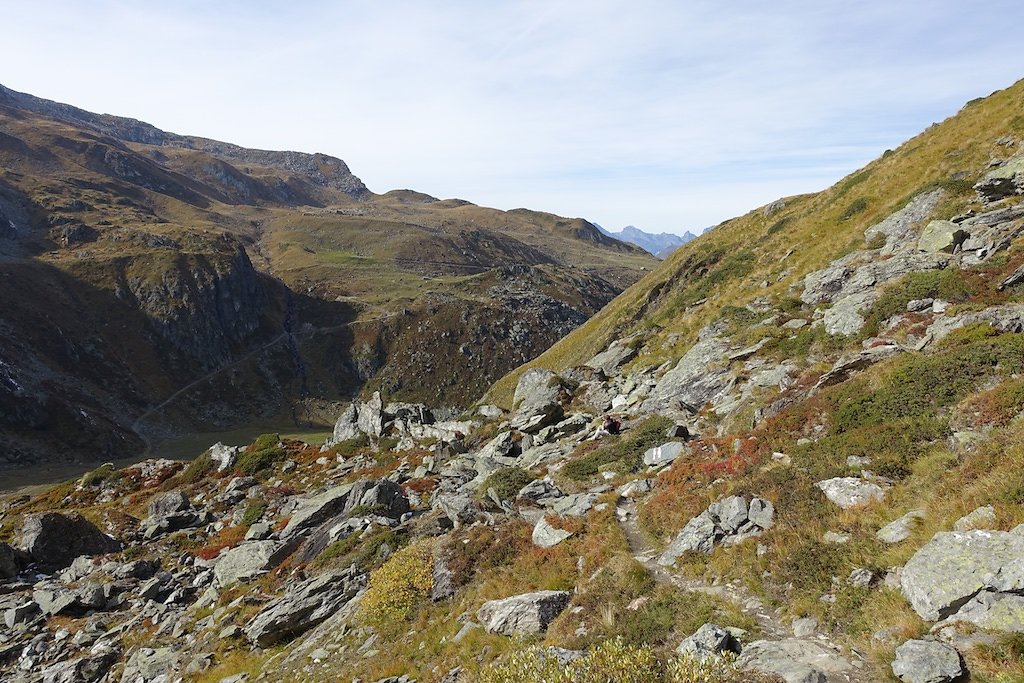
(660, 244)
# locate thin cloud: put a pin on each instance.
(664, 114)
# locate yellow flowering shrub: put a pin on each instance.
(614, 662)
(397, 586)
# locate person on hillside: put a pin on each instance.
(609, 426)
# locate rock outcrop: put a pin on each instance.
(53, 540)
(525, 614)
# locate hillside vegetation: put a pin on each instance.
(814, 475)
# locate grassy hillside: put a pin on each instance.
(765, 252)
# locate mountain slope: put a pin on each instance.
(816, 474)
(254, 285)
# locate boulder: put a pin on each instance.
(1003, 182)
(955, 566)
(249, 560)
(982, 518)
(149, 664)
(382, 497)
(899, 530)
(663, 454)
(304, 606)
(538, 400)
(942, 236)
(762, 513)
(617, 354)
(53, 540)
(851, 492)
(314, 510)
(701, 376)
(709, 640)
(170, 512)
(547, 536)
(994, 612)
(794, 660)
(8, 562)
(224, 456)
(697, 536)
(926, 661)
(346, 427)
(371, 416)
(525, 614)
(730, 513)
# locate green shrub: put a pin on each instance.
(625, 454)
(196, 470)
(253, 512)
(101, 474)
(506, 482)
(351, 447)
(950, 285)
(858, 205)
(261, 455)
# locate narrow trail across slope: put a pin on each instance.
(770, 621)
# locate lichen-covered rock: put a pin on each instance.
(899, 529)
(1003, 182)
(547, 536)
(955, 566)
(942, 236)
(708, 641)
(524, 614)
(249, 560)
(538, 400)
(304, 606)
(794, 660)
(851, 492)
(313, 510)
(663, 454)
(699, 377)
(926, 661)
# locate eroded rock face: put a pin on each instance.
(794, 660)
(926, 661)
(538, 400)
(523, 614)
(955, 567)
(53, 540)
(1003, 182)
(303, 607)
(249, 560)
(730, 520)
(700, 376)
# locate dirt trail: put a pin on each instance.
(771, 622)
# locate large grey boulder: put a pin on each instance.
(170, 512)
(8, 562)
(701, 376)
(794, 660)
(224, 456)
(955, 566)
(1003, 182)
(994, 612)
(371, 417)
(53, 540)
(663, 454)
(304, 606)
(730, 513)
(249, 560)
(524, 614)
(347, 425)
(697, 536)
(981, 518)
(708, 641)
(926, 661)
(617, 354)
(311, 511)
(851, 492)
(731, 520)
(149, 665)
(942, 236)
(537, 400)
(547, 536)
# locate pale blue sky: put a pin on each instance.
(670, 115)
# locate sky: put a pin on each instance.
(668, 115)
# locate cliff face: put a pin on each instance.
(167, 284)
